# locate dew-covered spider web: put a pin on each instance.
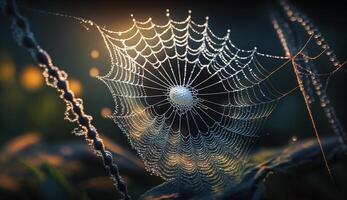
(191, 102)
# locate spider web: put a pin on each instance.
(205, 145)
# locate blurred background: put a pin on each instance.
(41, 159)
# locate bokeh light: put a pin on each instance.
(7, 72)
(26, 139)
(31, 78)
(94, 54)
(106, 112)
(76, 87)
(93, 72)
(294, 138)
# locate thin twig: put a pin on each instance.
(57, 79)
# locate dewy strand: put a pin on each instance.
(295, 16)
(57, 79)
(142, 81)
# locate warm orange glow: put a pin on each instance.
(167, 196)
(7, 72)
(51, 159)
(31, 78)
(106, 112)
(8, 183)
(22, 142)
(76, 87)
(94, 54)
(93, 72)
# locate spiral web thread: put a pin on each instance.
(203, 145)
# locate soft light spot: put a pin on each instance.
(94, 54)
(7, 72)
(294, 138)
(76, 87)
(93, 72)
(9, 183)
(106, 112)
(23, 141)
(66, 151)
(51, 159)
(31, 78)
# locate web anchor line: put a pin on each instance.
(289, 43)
(299, 18)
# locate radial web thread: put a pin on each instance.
(190, 102)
